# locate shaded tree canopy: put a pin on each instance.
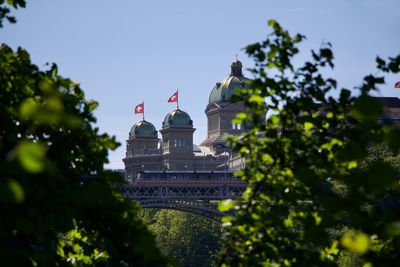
(313, 192)
(190, 239)
(53, 212)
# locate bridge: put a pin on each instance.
(196, 196)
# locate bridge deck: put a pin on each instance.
(187, 182)
(184, 189)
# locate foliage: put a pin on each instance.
(190, 239)
(291, 207)
(53, 211)
(5, 10)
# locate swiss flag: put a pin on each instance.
(174, 97)
(397, 85)
(139, 108)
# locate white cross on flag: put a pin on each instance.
(174, 97)
(139, 108)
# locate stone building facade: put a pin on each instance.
(391, 110)
(174, 150)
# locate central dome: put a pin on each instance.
(225, 89)
(177, 118)
(143, 128)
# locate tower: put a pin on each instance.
(142, 152)
(177, 141)
(220, 110)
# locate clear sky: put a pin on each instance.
(125, 52)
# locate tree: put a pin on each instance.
(5, 10)
(58, 206)
(312, 195)
(190, 239)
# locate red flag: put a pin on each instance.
(397, 85)
(139, 108)
(174, 97)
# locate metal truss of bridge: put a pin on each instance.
(198, 197)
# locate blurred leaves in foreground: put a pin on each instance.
(5, 10)
(51, 215)
(323, 190)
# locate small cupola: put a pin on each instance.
(236, 68)
(143, 129)
(177, 118)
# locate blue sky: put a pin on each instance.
(125, 52)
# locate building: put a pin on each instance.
(174, 149)
(391, 110)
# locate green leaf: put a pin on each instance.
(308, 126)
(317, 218)
(352, 164)
(11, 191)
(28, 108)
(257, 99)
(267, 158)
(17, 190)
(54, 104)
(275, 120)
(92, 105)
(242, 116)
(272, 22)
(333, 249)
(357, 243)
(288, 222)
(226, 205)
(47, 86)
(31, 156)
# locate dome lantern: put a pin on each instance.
(236, 68)
(225, 89)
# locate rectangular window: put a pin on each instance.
(236, 126)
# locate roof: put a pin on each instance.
(201, 150)
(225, 89)
(143, 128)
(177, 118)
(390, 102)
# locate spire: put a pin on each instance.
(236, 68)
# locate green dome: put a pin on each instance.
(177, 118)
(224, 90)
(143, 129)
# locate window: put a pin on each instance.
(236, 126)
(395, 115)
(180, 142)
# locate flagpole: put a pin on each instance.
(177, 101)
(143, 110)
